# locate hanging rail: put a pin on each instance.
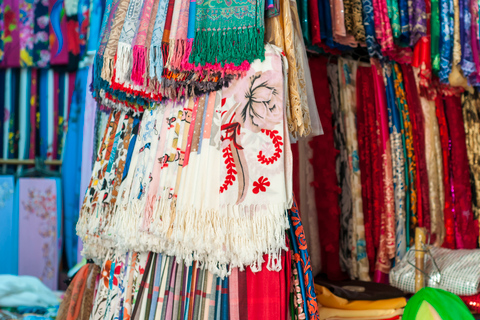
(26, 162)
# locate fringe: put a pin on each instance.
(228, 46)
(188, 51)
(107, 68)
(171, 52)
(156, 62)
(139, 65)
(124, 62)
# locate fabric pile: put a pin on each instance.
(359, 300)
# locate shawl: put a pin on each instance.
(95, 22)
(373, 47)
(178, 45)
(142, 42)
(11, 34)
(398, 165)
(72, 302)
(324, 166)
(435, 35)
(472, 122)
(386, 156)
(467, 63)
(26, 29)
(448, 208)
(419, 147)
(300, 246)
(446, 40)
(364, 247)
(113, 38)
(124, 63)
(411, 162)
(224, 37)
(348, 246)
(417, 20)
(156, 55)
(466, 227)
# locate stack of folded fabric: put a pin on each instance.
(358, 300)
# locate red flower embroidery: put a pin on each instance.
(261, 185)
(116, 273)
(106, 272)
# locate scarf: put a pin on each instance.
(2, 31)
(225, 38)
(124, 63)
(26, 29)
(142, 42)
(72, 302)
(11, 34)
(156, 55)
(113, 38)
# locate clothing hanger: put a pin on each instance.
(39, 170)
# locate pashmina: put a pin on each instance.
(448, 208)
(324, 164)
(446, 40)
(26, 29)
(417, 20)
(314, 20)
(348, 248)
(393, 14)
(467, 63)
(418, 130)
(410, 156)
(113, 38)
(11, 34)
(58, 29)
(124, 63)
(300, 246)
(387, 168)
(435, 35)
(38, 248)
(472, 122)
(218, 31)
(364, 248)
(142, 42)
(374, 49)
(353, 19)
(466, 228)
(9, 224)
(156, 54)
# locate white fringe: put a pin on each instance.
(124, 63)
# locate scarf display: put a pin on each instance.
(238, 136)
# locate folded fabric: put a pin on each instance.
(329, 313)
(472, 302)
(16, 291)
(326, 298)
(361, 290)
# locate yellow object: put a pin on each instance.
(419, 258)
(330, 313)
(327, 299)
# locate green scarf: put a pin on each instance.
(228, 32)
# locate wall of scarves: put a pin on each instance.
(46, 48)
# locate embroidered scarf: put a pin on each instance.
(224, 37)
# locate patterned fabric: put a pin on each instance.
(472, 122)
(26, 27)
(417, 20)
(410, 157)
(374, 49)
(300, 246)
(446, 40)
(224, 33)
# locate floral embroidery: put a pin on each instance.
(261, 185)
(106, 272)
(231, 172)
(277, 142)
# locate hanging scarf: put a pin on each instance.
(225, 38)
(113, 37)
(411, 161)
(373, 47)
(471, 123)
(466, 227)
(124, 63)
(26, 29)
(11, 34)
(446, 40)
(156, 55)
(417, 20)
(140, 45)
(448, 190)
(9, 223)
(398, 164)
(2, 30)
